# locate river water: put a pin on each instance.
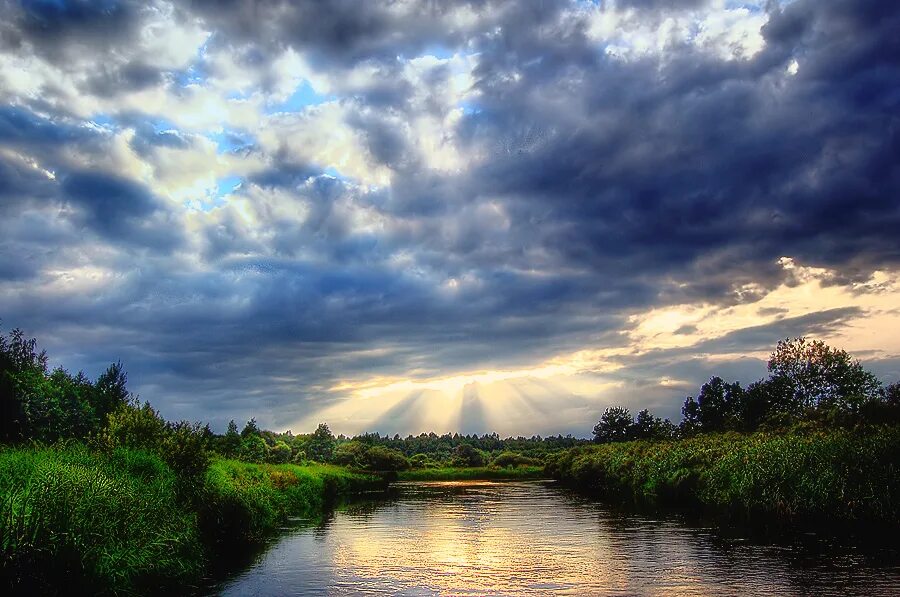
(533, 538)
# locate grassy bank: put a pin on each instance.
(93, 523)
(115, 523)
(472, 473)
(833, 475)
(244, 502)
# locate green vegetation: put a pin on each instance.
(101, 494)
(244, 502)
(375, 452)
(118, 522)
(97, 522)
(812, 474)
(473, 473)
(809, 383)
(818, 439)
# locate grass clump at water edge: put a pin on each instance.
(116, 523)
(834, 475)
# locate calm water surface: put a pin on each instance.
(532, 538)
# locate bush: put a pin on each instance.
(422, 461)
(133, 426)
(465, 455)
(378, 458)
(280, 453)
(254, 449)
(350, 454)
(182, 445)
(507, 459)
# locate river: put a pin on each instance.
(533, 538)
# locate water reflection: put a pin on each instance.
(475, 538)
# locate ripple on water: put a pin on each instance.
(530, 538)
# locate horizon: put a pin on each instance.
(468, 217)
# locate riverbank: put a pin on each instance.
(485, 473)
(835, 475)
(115, 523)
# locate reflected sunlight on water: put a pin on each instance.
(475, 538)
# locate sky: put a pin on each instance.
(422, 215)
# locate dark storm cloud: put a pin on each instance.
(117, 208)
(113, 207)
(347, 32)
(22, 127)
(133, 76)
(598, 186)
(683, 161)
(53, 27)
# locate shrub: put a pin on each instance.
(350, 454)
(182, 445)
(506, 459)
(280, 453)
(422, 461)
(378, 458)
(254, 449)
(465, 455)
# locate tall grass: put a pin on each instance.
(244, 502)
(847, 475)
(96, 523)
(83, 522)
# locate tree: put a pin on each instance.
(646, 426)
(466, 455)
(614, 425)
(231, 441)
(320, 446)
(719, 405)
(892, 394)
(379, 458)
(250, 429)
(690, 417)
(821, 376)
(280, 453)
(254, 449)
(110, 390)
(22, 370)
(769, 402)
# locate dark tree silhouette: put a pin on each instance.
(250, 429)
(720, 405)
(819, 375)
(614, 425)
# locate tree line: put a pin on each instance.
(38, 404)
(374, 451)
(809, 383)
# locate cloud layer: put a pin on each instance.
(455, 215)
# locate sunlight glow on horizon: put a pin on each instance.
(441, 401)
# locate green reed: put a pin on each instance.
(837, 474)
